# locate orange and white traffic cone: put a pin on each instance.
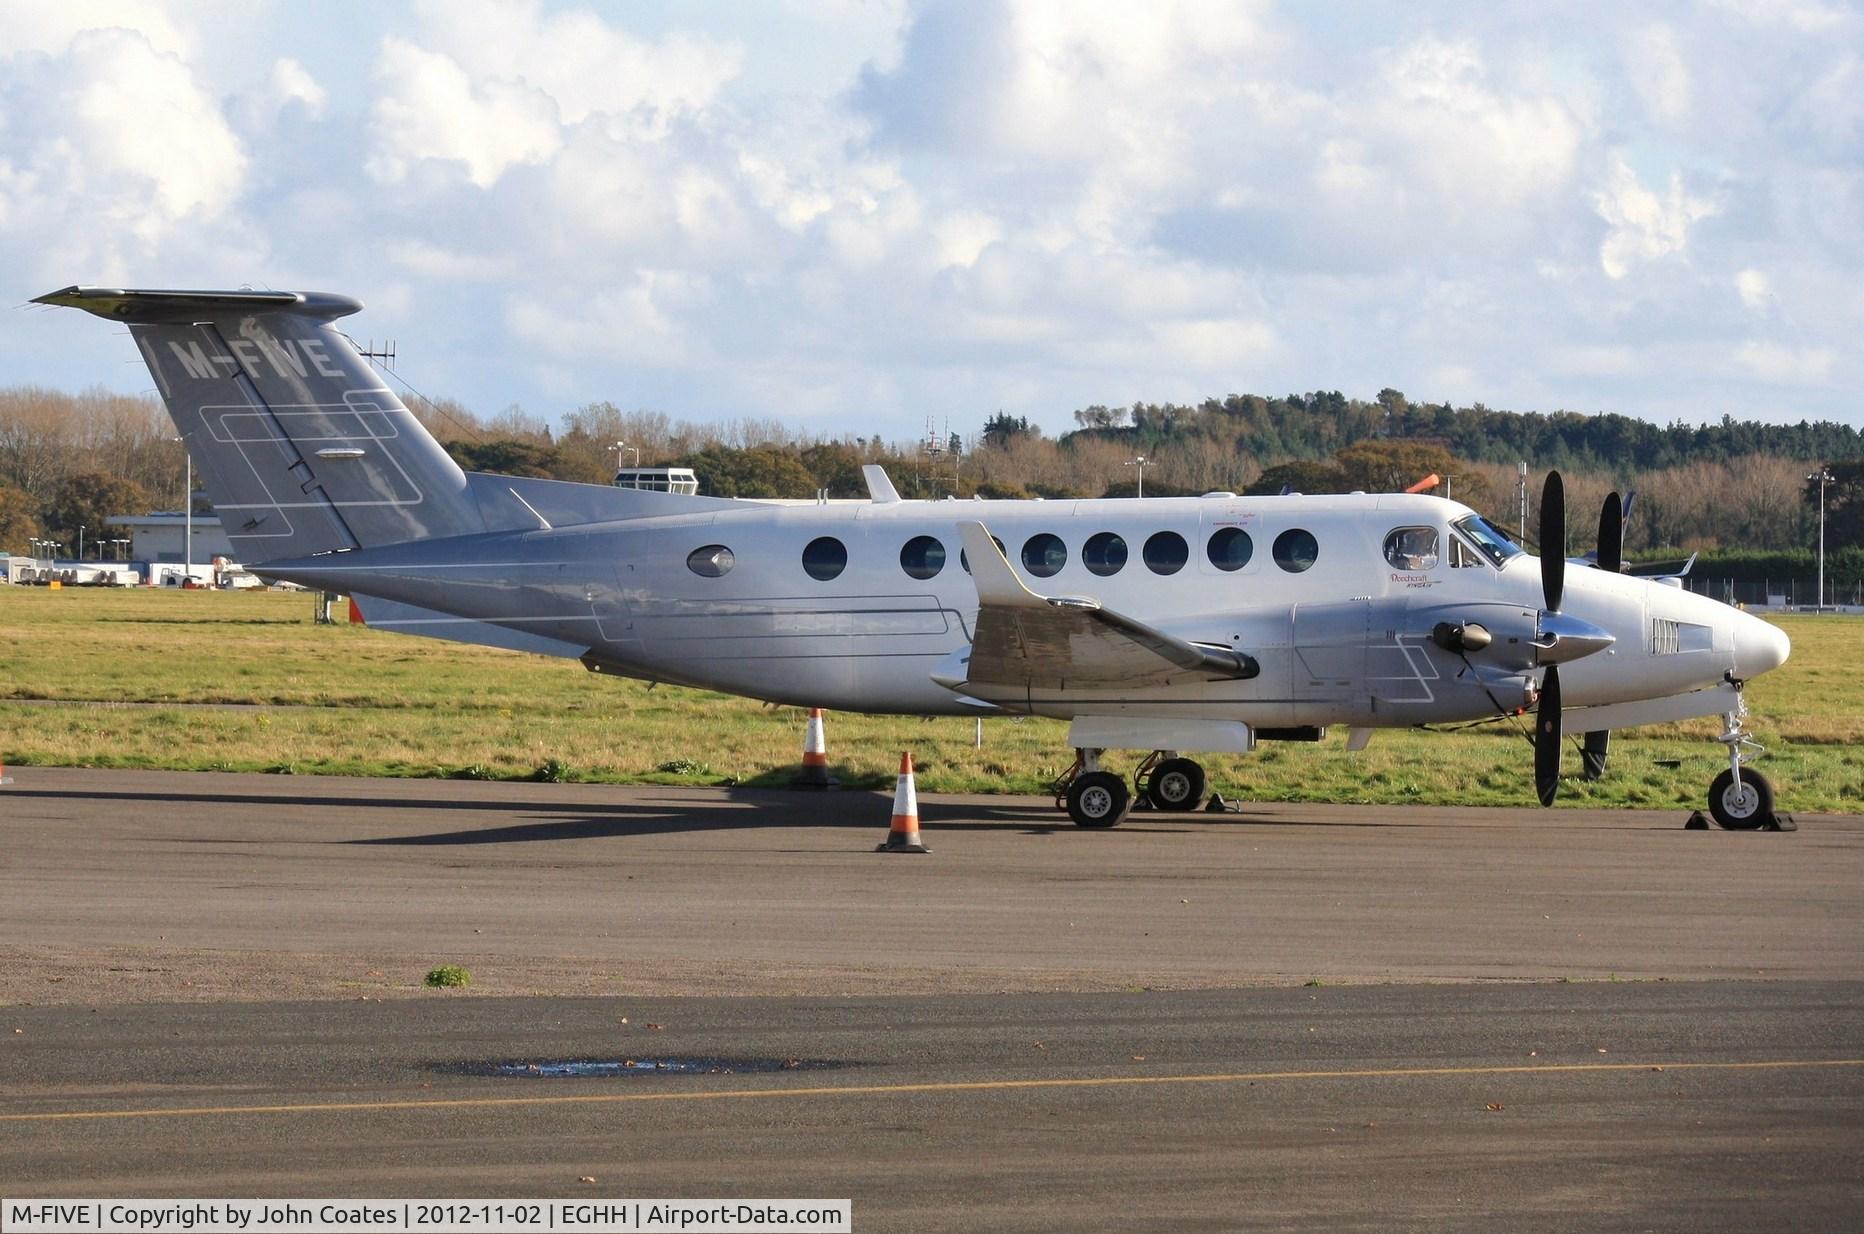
(903, 835)
(815, 757)
(4, 777)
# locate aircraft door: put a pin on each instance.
(1330, 650)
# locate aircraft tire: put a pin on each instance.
(1176, 785)
(1098, 799)
(1748, 809)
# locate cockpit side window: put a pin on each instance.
(1412, 548)
(1462, 556)
(1497, 547)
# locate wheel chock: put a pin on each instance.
(1216, 805)
(1780, 822)
(1698, 821)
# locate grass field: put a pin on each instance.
(246, 682)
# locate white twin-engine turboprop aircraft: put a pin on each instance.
(1174, 625)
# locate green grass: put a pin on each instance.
(353, 701)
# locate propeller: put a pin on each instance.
(1553, 541)
(1611, 557)
(1547, 738)
(1553, 588)
(1612, 533)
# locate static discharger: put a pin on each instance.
(903, 835)
(815, 756)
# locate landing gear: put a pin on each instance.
(1092, 797)
(1740, 799)
(1741, 805)
(1175, 784)
(1098, 799)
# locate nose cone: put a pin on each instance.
(1759, 647)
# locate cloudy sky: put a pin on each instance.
(858, 214)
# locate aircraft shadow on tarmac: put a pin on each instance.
(744, 810)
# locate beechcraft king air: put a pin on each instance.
(1172, 626)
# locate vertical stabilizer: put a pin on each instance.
(298, 443)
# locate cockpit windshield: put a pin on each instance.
(1494, 543)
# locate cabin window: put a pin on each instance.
(923, 557)
(1230, 548)
(1044, 555)
(1104, 554)
(711, 561)
(1412, 548)
(964, 558)
(1296, 550)
(1166, 552)
(825, 558)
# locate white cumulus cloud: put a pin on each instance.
(1641, 224)
(431, 108)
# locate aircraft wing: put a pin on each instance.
(1024, 639)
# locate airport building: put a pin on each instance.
(161, 537)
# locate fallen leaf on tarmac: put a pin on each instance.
(1040, 1046)
(1495, 1105)
(1139, 1058)
(624, 1019)
(655, 1027)
(1601, 1049)
(586, 1178)
(1656, 1068)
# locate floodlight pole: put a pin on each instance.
(187, 515)
(1139, 461)
(1824, 477)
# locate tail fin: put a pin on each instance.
(300, 446)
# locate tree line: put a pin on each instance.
(69, 460)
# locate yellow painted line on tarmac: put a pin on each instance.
(947, 1086)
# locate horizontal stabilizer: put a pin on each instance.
(299, 444)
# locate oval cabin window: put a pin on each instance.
(712, 561)
(1296, 550)
(1044, 555)
(922, 557)
(1166, 552)
(825, 558)
(1230, 548)
(1104, 554)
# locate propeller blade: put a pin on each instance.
(1553, 541)
(1547, 738)
(1612, 533)
(1630, 501)
(1592, 756)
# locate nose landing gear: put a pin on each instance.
(1741, 799)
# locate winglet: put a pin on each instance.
(880, 489)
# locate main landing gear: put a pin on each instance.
(1096, 798)
(1741, 799)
